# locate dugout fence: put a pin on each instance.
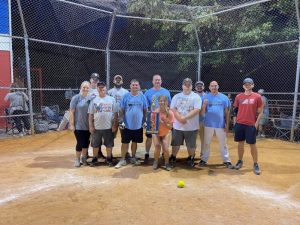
(57, 44)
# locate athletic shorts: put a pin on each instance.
(82, 138)
(245, 132)
(107, 135)
(148, 135)
(179, 136)
(132, 135)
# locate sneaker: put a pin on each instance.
(83, 160)
(121, 163)
(135, 161)
(263, 136)
(109, 163)
(202, 163)
(127, 156)
(172, 159)
(94, 161)
(168, 167)
(190, 161)
(239, 164)
(155, 165)
(146, 160)
(256, 169)
(228, 165)
(77, 162)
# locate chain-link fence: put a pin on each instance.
(225, 41)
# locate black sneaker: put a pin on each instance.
(229, 165)
(172, 159)
(202, 163)
(256, 169)
(94, 162)
(146, 160)
(190, 161)
(239, 164)
(109, 162)
(128, 156)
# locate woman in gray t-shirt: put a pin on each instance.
(18, 106)
(79, 122)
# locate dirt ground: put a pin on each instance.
(39, 185)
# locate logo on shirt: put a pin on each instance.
(102, 107)
(247, 101)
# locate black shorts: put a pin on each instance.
(132, 135)
(245, 132)
(82, 138)
(148, 135)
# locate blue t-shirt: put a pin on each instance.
(133, 108)
(152, 97)
(215, 110)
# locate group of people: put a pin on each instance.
(96, 114)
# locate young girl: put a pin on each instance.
(162, 139)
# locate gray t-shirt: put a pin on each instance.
(81, 105)
(93, 92)
(18, 101)
(103, 110)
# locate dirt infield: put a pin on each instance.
(39, 185)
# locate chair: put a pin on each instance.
(283, 126)
(10, 124)
(51, 115)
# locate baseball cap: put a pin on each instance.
(95, 76)
(261, 91)
(118, 76)
(101, 84)
(248, 80)
(199, 82)
(187, 80)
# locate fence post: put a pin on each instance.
(297, 76)
(27, 67)
(107, 52)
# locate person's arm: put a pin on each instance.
(6, 98)
(203, 108)
(71, 119)
(260, 114)
(91, 123)
(227, 119)
(115, 122)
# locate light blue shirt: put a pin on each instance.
(215, 110)
(152, 97)
(133, 108)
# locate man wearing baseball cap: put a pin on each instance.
(94, 79)
(246, 107)
(118, 92)
(186, 107)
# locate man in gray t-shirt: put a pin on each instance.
(102, 122)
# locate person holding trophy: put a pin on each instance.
(161, 139)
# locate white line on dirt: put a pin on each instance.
(283, 200)
(47, 184)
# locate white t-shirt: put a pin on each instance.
(103, 110)
(117, 94)
(93, 92)
(184, 104)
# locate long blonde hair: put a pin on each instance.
(166, 108)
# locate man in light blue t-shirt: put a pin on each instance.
(152, 100)
(216, 107)
(134, 108)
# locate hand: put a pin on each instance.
(114, 129)
(256, 125)
(226, 130)
(183, 120)
(92, 130)
(144, 125)
(71, 127)
(205, 102)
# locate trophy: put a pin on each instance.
(152, 121)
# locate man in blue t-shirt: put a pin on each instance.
(216, 107)
(152, 100)
(133, 108)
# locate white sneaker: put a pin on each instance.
(121, 163)
(135, 162)
(77, 162)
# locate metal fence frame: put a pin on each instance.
(199, 52)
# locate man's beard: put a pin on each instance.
(118, 85)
